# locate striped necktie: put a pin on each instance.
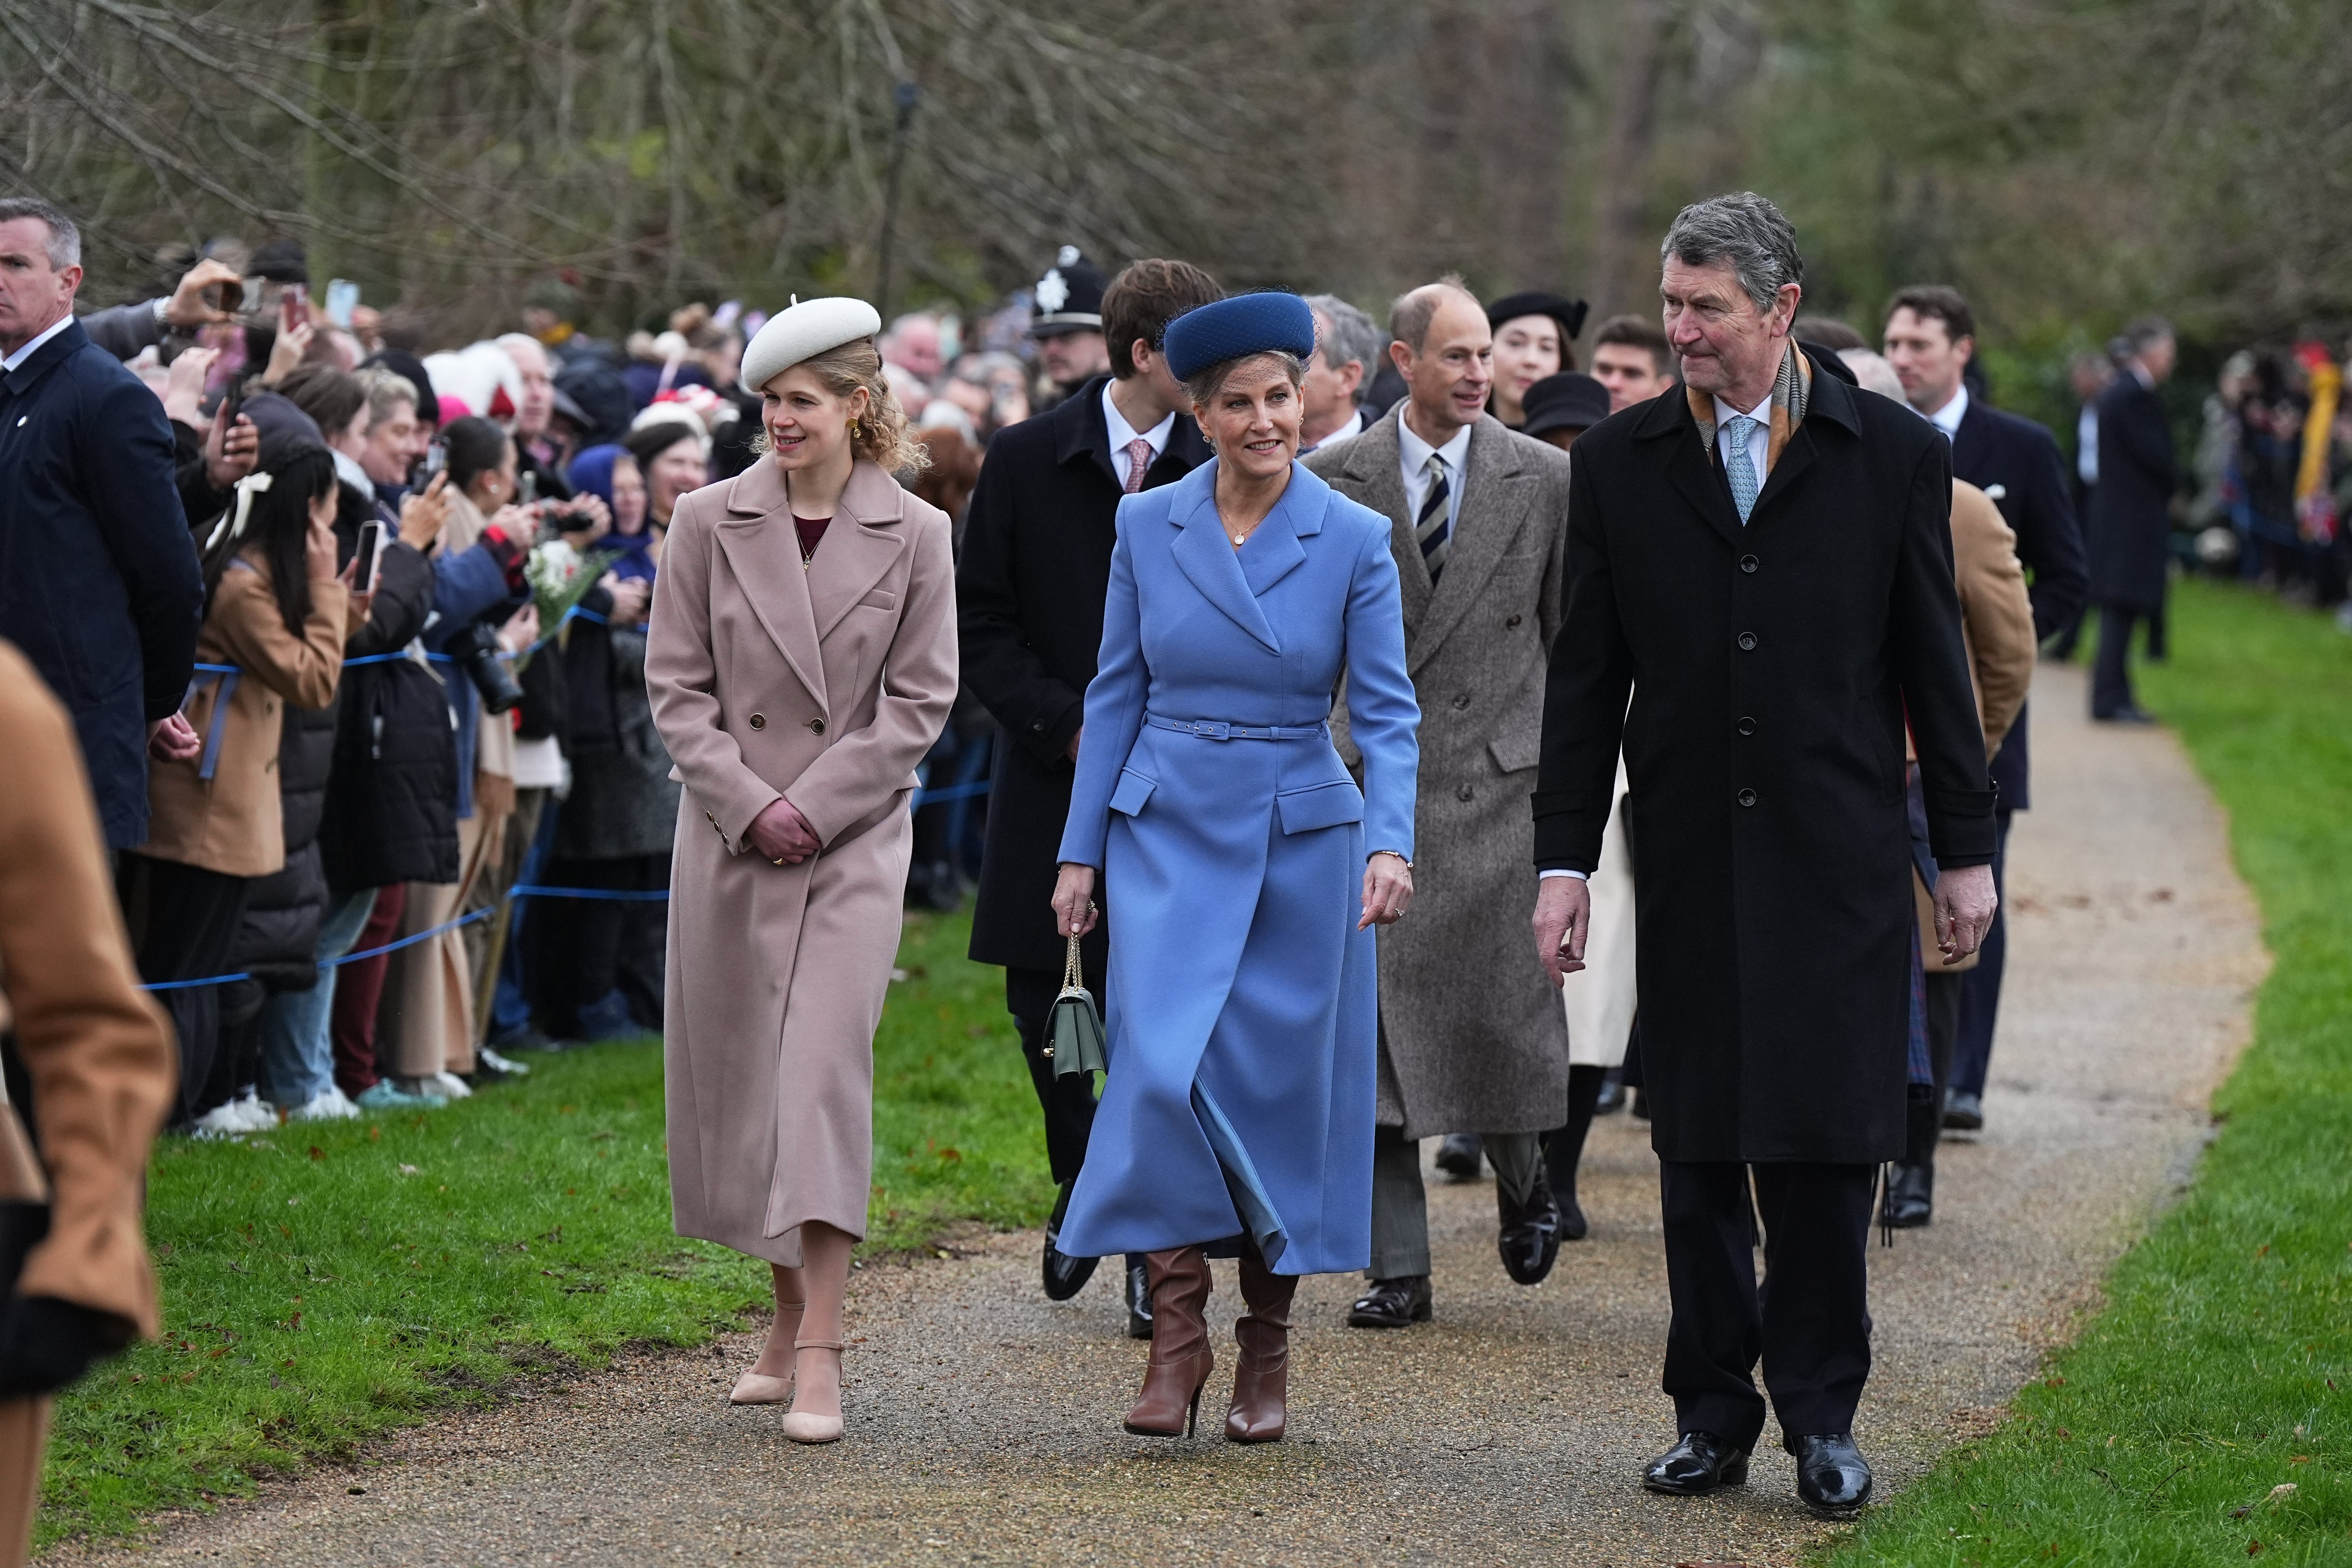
(1432, 527)
(1139, 463)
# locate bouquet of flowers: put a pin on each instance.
(560, 578)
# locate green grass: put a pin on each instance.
(2220, 1369)
(328, 1282)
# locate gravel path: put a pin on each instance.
(983, 1420)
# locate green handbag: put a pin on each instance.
(1076, 1027)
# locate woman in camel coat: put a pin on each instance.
(801, 659)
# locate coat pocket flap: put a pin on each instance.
(1133, 790)
(1319, 805)
(1521, 748)
(880, 599)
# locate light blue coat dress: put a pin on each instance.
(1244, 1005)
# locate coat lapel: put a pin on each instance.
(859, 549)
(765, 554)
(1274, 552)
(1206, 556)
(1689, 463)
(1829, 401)
(1494, 498)
(1373, 470)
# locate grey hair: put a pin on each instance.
(1202, 386)
(1349, 335)
(1871, 371)
(1748, 231)
(65, 240)
(385, 387)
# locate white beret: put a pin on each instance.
(805, 330)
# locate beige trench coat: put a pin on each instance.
(824, 686)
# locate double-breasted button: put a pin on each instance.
(1746, 726)
(1464, 793)
(1514, 621)
(1747, 642)
(758, 721)
(1462, 701)
(816, 726)
(1748, 564)
(1747, 797)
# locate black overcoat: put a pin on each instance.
(2016, 462)
(1029, 600)
(1769, 668)
(2131, 506)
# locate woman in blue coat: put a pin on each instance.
(1237, 1114)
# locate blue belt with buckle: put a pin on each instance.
(1218, 729)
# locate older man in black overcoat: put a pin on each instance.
(1030, 587)
(98, 582)
(1762, 563)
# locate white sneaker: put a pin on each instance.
(329, 1105)
(450, 1084)
(220, 1121)
(255, 1115)
(497, 1063)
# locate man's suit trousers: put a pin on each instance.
(1807, 1321)
(1400, 1204)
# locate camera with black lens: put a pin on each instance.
(476, 651)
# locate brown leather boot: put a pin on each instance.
(1181, 1361)
(1262, 1377)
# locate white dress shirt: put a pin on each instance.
(1413, 456)
(1122, 433)
(2086, 444)
(1760, 435)
(1353, 428)
(30, 349)
(1947, 418)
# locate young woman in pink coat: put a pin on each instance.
(800, 659)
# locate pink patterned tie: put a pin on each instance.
(1139, 459)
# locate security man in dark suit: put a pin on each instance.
(2131, 515)
(99, 581)
(1029, 591)
(1930, 339)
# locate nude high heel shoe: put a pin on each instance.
(757, 1387)
(813, 1428)
(1169, 1403)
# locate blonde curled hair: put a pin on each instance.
(882, 436)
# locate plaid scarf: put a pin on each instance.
(1790, 389)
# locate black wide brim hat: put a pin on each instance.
(1570, 314)
(1235, 328)
(1569, 401)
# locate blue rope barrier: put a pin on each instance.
(620, 895)
(332, 962)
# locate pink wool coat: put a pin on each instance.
(826, 687)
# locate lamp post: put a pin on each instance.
(904, 95)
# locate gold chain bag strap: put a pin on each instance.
(1075, 1032)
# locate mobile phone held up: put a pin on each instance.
(368, 559)
(294, 307)
(343, 298)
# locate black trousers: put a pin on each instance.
(576, 952)
(1068, 1102)
(1808, 1320)
(183, 921)
(2111, 688)
(1980, 986)
(1924, 1116)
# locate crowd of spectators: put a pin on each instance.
(2274, 475)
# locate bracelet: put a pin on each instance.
(1398, 853)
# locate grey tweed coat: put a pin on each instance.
(1473, 1038)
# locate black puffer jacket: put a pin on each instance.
(392, 805)
(277, 939)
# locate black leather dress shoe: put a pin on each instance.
(1695, 1466)
(1139, 1298)
(1910, 1198)
(1572, 1224)
(2128, 714)
(1529, 1237)
(1065, 1276)
(1458, 1155)
(1963, 1112)
(1391, 1304)
(1613, 1096)
(1832, 1478)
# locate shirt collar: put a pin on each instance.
(1416, 451)
(13, 361)
(348, 469)
(1122, 433)
(1947, 418)
(1762, 413)
(1354, 427)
